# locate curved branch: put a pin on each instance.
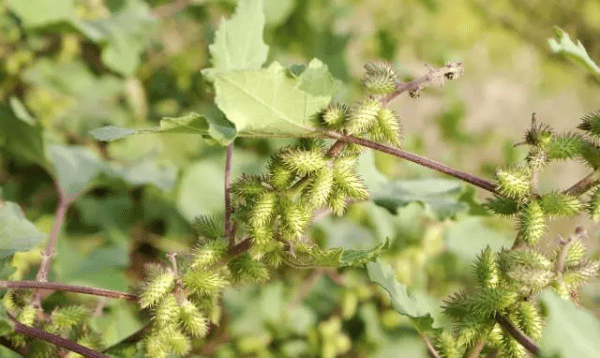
(584, 184)
(69, 288)
(426, 162)
(56, 340)
(516, 333)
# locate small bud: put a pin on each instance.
(380, 78)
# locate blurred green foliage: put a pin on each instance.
(68, 67)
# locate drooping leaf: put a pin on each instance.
(21, 138)
(214, 129)
(570, 331)
(575, 52)
(239, 41)
(76, 168)
(444, 198)
(36, 13)
(269, 102)
(16, 232)
(414, 307)
(362, 257)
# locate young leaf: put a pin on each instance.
(16, 232)
(563, 45)
(215, 129)
(239, 41)
(412, 307)
(268, 102)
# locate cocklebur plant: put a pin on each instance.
(268, 217)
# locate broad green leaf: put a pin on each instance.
(118, 321)
(35, 13)
(16, 232)
(21, 139)
(442, 197)
(277, 11)
(239, 41)
(269, 102)
(575, 52)
(76, 168)
(414, 307)
(570, 331)
(123, 37)
(213, 128)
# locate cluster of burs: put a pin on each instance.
(508, 281)
(273, 211)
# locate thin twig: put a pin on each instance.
(584, 184)
(235, 251)
(68, 288)
(49, 251)
(426, 162)
(516, 333)
(56, 340)
(430, 347)
(477, 349)
(228, 208)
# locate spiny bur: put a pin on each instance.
(532, 223)
(387, 128)
(514, 183)
(301, 161)
(333, 116)
(204, 282)
(192, 320)
(591, 124)
(319, 189)
(160, 281)
(166, 311)
(559, 204)
(363, 116)
(502, 206)
(208, 253)
(486, 270)
(593, 205)
(447, 345)
(263, 209)
(209, 227)
(380, 78)
(565, 146)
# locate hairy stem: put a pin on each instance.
(430, 347)
(584, 184)
(426, 162)
(56, 340)
(228, 208)
(68, 288)
(517, 334)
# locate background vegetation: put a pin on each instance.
(68, 67)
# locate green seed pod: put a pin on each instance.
(559, 204)
(456, 306)
(591, 124)
(64, 318)
(591, 155)
(471, 330)
(514, 183)
(337, 201)
(529, 320)
(333, 116)
(593, 205)
(380, 78)
(261, 235)
(363, 116)
(387, 128)
(280, 176)
(303, 162)
(263, 210)
(319, 189)
(192, 320)
(179, 343)
(502, 206)
(204, 282)
(510, 348)
(486, 270)
(27, 315)
(532, 223)
(246, 188)
(244, 268)
(294, 219)
(157, 286)
(447, 345)
(350, 183)
(208, 253)
(565, 146)
(209, 227)
(539, 136)
(166, 311)
(574, 277)
(488, 301)
(575, 253)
